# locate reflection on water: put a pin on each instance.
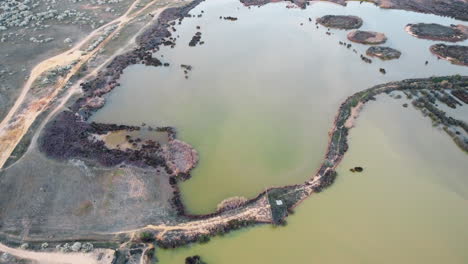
(410, 205)
(263, 90)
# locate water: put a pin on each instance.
(118, 139)
(410, 205)
(263, 90)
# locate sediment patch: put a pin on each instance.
(367, 37)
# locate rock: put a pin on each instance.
(65, 248)
(87, 247)
(6, 258)
(367, 37)
(76, 247)
(44, 245)
(340, 22)
(383, 53)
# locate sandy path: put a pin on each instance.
(21, 117)
(50, 257)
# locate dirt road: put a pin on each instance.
(21, 116)
(61, 258)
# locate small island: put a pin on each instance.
(432, 31)
(340, 22)
(456, 54)
(383, 53)
(367, 37)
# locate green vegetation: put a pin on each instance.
(282, 200)
(204, 239)
(194, 260)
(146, 237)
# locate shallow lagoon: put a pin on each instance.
(410, 205)
(258, 105)
(263, 90)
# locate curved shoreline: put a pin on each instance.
(263, 209)
(260, 209)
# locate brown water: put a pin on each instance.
(263, 90)
(410, 205)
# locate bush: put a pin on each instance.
(146, 237)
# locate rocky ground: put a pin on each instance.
(453, 33)
(31, 31)
(367, 37)
(384, 53)
(456, 54)
(340, 22)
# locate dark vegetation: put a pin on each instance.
(230, 18)
(195, 39)
(437, 32)
(462, 95)
(451, 8)
(340, 22)
(146, 237)
(282, 200)
(456, 54)
(356, 169)
(384, 53)
(69, 134)
(194, 260)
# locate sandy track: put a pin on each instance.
(61, 258)
(21, 116)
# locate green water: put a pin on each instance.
(263, 90)
(258, 105)
(410, 205)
